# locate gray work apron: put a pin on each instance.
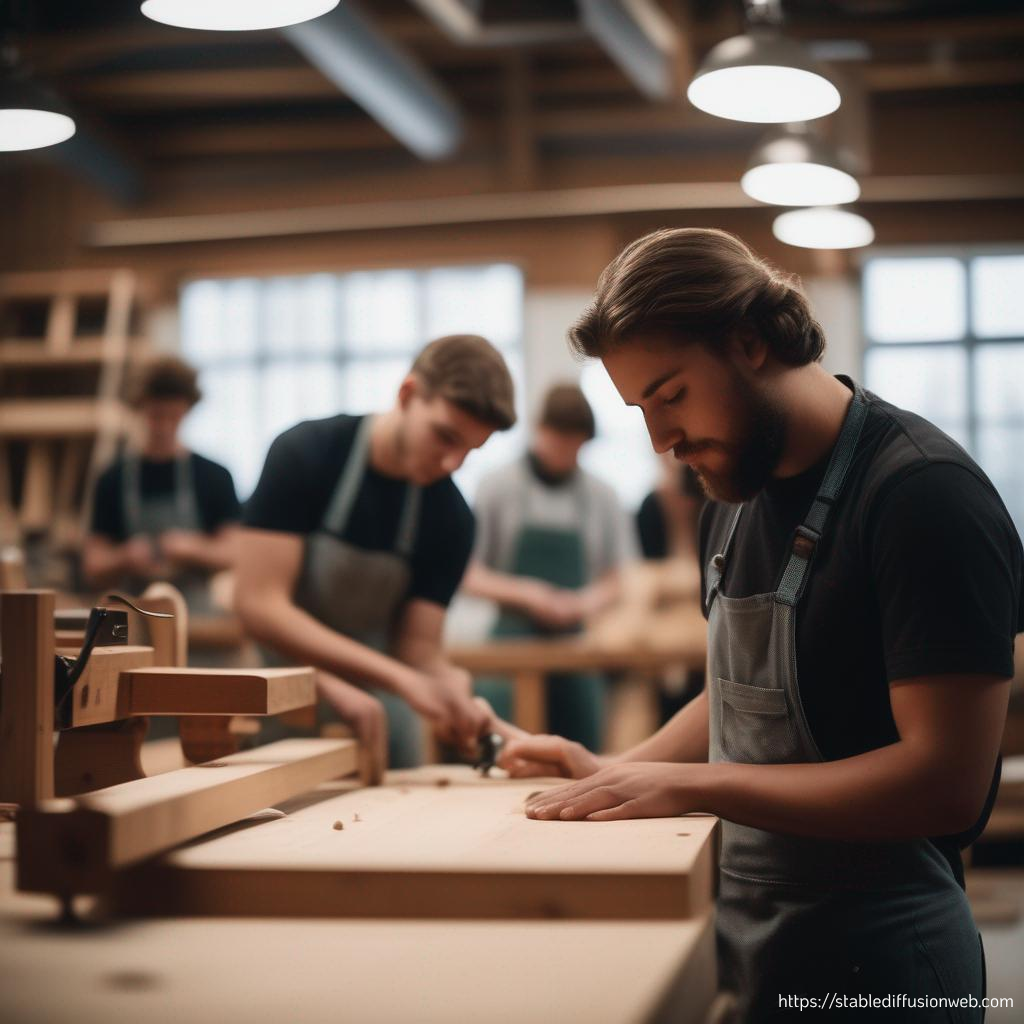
(808, 917)
(150, 516)
(576, 701)
(360, 593)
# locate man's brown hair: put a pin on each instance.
(469, 372)
(567, 411)
(698, 284)
(165, 377)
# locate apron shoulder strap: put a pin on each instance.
(807, 535)
(408, 524)
(716, 566)
(347, 488)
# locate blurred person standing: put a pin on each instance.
(551, 540)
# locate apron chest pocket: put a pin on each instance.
(756, 726)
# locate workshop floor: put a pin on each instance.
(997, 896)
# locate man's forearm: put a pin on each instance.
(891, 793)
(503, 588)
(684, 737)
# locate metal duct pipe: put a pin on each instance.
(639, 38)
(384, 80)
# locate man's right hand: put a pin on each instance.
(366, 716)
(549, 756)
(446, 699)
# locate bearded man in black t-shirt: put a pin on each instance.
(863, 588)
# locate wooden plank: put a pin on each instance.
(59, 417)
(72, 845)
(227, 691)
(464, 849)
(26, 697)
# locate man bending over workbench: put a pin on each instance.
(355, 540)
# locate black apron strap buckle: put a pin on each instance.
(805, 540)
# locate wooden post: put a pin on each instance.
(26, 706)
(529, 700)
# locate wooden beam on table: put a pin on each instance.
(211, 691)
(435, 842)
(73, 845)
(26, 698)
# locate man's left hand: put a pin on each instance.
(633, 790)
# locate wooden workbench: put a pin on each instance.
(679, 640)
(380, 971)
(434, 842)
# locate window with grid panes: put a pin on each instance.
(274, 351)
(945, 338)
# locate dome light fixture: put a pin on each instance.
(763, 77)
(794, 167)
(235, 15)
(30, 118)
(823, 227)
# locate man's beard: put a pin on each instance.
(755, 448)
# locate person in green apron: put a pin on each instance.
(355, 540)
(863, 587)
(550, 541)
(162, 511)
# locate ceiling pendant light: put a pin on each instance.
(762, 76)
(235, 15)
(794, 167)
(823, 227)
(30, 118)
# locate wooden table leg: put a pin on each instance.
(529, 701)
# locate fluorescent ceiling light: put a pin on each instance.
(823, 227)
(235, 15)
(796, 168)
(762, 77)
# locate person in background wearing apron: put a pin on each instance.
(162, 512)
(355, 540)
(863, 586)
(550, 541)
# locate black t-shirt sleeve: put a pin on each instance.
(946, 564)
(218, 502)
(652, 528)
(282, 499)
(442, 551)
(107, 507)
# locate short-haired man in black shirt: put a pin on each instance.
(356, 539)
(162, 512)
(863, 587)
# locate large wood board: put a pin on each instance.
(414, 848)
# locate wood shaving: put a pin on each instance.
(356, 818)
